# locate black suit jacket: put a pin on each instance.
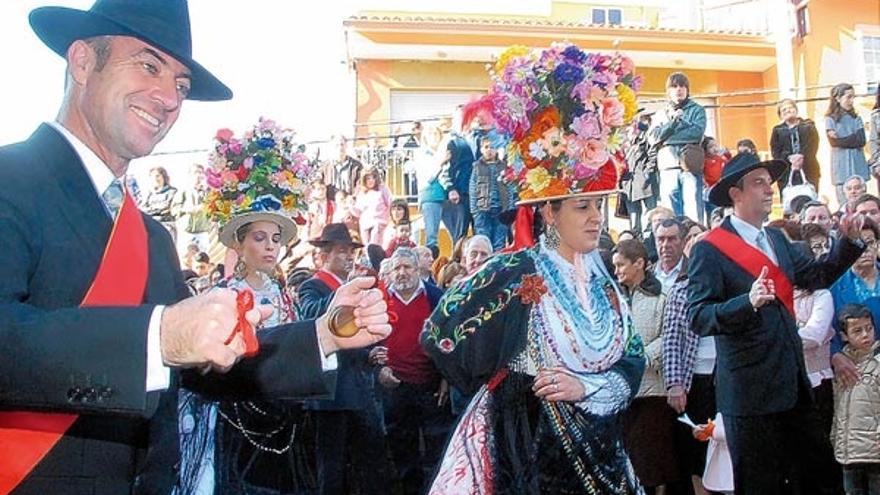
(54, 230)
(760, 363)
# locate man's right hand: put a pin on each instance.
(370, 316)
(763, 290)
(844, 370)
(194, 331)
(676, 397)
(387, 378)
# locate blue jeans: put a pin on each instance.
(683, 192)
(432, 212)
(457, 217)
(486, 223)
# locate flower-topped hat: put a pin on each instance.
(262, 176)
(564, 112)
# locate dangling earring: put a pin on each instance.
(551, 237)
(240, 270)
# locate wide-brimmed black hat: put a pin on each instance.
(335, 234)
(163, 24)
(737, 168)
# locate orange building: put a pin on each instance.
(741, 55)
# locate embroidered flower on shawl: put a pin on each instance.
(446, 346)
(531, 289)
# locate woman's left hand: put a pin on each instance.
(558, 384)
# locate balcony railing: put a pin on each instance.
(395, 165)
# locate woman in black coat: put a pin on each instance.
(795, 141)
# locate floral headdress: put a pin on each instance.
(263, 175)
(564, 112)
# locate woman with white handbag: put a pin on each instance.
(795, 141)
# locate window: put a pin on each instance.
(613, 17)
(801, 18)
(871, 47)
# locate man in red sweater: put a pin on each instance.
(414, 393)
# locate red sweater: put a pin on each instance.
(405, 356)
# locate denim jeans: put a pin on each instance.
(486, 223)
(861, 479)
(683, 192)
(431, 211)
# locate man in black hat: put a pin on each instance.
(93, 313)
(742, 277)
(348, 426)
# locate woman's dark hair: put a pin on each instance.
(678, 79)
(203, 257)
(835, 111)
(401, 203)
(376, 254)
(687, 224)
(705, 143)
(163, 173)
(853, 312)
(747, 143)
(633, 250)
(810, 230)
(783, 102)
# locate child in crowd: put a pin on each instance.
(488, 196)
(403, 231)
(746, 146)
(372, 207)
(856, 430)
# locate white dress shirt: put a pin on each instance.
(749, 233)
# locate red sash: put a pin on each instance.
(329, 279)
(26, 437)
(753, 260)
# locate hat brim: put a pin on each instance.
(320, 243)
(719, 196)
(227, 232)
(59, 27)
(591, 194)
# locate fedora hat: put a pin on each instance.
(736, 169)
(163, 24)
(335, 234)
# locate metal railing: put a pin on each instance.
(396, 166)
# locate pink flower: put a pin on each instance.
(581, 90)
(235, 146)
(626, 66)
(612, 112)
(213, 179)
(593, 154)
(586, 126)
(224, 135)
(248, 163)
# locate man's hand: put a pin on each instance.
(194, 331)
(763, 290)
(370, 316)
(454, 197)
(845, 370)
(677, 114)
(387, 378)
(851, 226)
(378, 356)
(677, 398)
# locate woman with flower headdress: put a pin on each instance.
(542, 336)
(256, 185)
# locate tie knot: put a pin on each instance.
(113, 196)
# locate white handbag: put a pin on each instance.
(792, 191)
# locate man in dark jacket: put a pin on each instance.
(348, 426)
(742, 278)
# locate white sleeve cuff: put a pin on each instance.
(327, 363)
(158, 375)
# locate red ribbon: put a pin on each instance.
(245, 303)
(26, 437)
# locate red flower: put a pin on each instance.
(531, 289)
(446, 346)
(242, 173)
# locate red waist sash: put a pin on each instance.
(752, 260)
(26, 437)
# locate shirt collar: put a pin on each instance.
(415, 294)
(663, 274)
(97, 170)
(744, 229)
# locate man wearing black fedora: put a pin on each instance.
(742, 279)
(348, 427)
(93, 316)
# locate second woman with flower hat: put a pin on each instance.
(256, 186)
(542, 336)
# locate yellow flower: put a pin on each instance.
(505, 57)
(246, 203)
(538, 179)
(628, 97)
(224, 207)
(288, 202)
